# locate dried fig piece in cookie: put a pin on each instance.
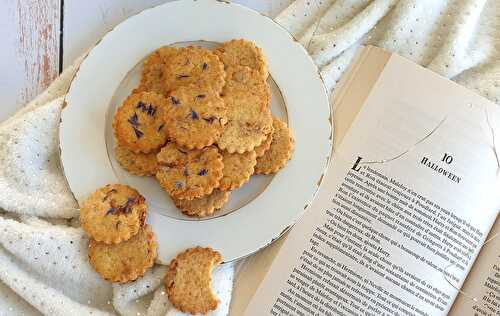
(194, 65)
(279, 152)
(138, 164)
(113, 213)
(127, 260)
(238, 168)
(138, 123)
(195, 116)
(249, 123)
(153, 68)
(241, 52)
(203, 206)
(188, 281)
(189, 174)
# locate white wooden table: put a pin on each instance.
(41, 37)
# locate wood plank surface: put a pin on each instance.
(29, 59)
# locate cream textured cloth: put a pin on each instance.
(43, 255)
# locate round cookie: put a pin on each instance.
(264, 146)
(194, 65)
(279, 152)
(204, 206)
(127, 260)
(238, 168)
(249, 123)
(113, 213)
(195, 116)
(242, 78)
(189, 174)
(188, 280)
(138, 164)
(152, 71)
(243, 53)
(138, 123)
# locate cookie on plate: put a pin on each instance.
(189, 174)
(264, 146)
(203, 206)
(241, 52)
(238, 168)
(249, 123)
(195, 116)
(139, 164)
(194, 65)
(242, 78)
(279, 152)
(188, 280)
(138, 123)
(152, 71)
(127, 260)
(113, 213)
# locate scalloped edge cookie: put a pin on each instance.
(204, 206)
(138, 164)
(238, 168)
(279, 152)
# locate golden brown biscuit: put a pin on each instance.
(138, 123)
(194, 65)
(204, 206)
(188, 281)
(280, 151)
(113, 213)
(243, 53)
(241, 78)
(138, 164)
(238, 168)
(195, 116)
(127, 260)
(189, 174)
(152, 71)
(264, 146)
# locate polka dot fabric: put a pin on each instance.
(44, 267)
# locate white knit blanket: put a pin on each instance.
(44, 267)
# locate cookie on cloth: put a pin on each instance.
(188, 281)
(139, 164)
(138, 123)
(127, 260)
(194, 65)
(279, 152)
(241, 52)
(152, 71)
(264, 146)
(113, 213)
(189, 174)
(249, 123)
(242, 78)
(238, 168)
(195, 116)
(203, 206)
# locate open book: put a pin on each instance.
(409, 199)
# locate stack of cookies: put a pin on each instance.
(122, 247)
(200, 122)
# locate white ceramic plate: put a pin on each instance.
(264, 208)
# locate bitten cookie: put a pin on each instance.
(138, 164)
(125, 261)
(188, 280)
(241, 52)
(189, 174)
(238, 168)
(152, 71)
(138, 123)
(241, 78)
(195, 116)
(204, 206)
(279, 152)
(249, 123)
(264, 146)
(194, 65)
(113, 213)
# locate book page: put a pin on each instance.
(483, 282)
(399, 204)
